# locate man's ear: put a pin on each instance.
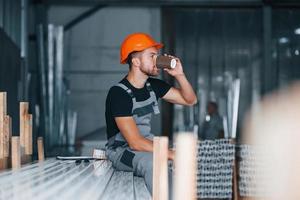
(136, 61)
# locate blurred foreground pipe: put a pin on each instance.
(185, 167)
(160, 168)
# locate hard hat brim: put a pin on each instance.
(156, 45)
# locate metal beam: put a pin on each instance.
(205, 3)
(168, 36)
(269, 73)
(158, 2)
(282, 2)
(83, 16)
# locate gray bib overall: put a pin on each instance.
(118, 151)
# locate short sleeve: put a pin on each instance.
(120, 102)
(160, 87)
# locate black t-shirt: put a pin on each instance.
(119, 103)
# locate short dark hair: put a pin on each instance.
(213, 104)
(129, 58)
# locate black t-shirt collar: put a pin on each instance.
(130, 86)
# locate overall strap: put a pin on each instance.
(153, 96)
(148, 86)
(129, 91)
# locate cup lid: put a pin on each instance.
(173, 63)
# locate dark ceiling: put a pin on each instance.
(174, 2)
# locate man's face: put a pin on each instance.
(148, 62)
(211, 109)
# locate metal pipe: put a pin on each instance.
(50, 82)
(58, 102)
(24, 41)
(43, 84)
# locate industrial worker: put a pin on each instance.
(212, 127)
(131, 102)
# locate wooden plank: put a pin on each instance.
(235, 182)
(25, 133)
(163, 168)
(4, 164)
(164, 184)
(3, 103)
(9, 141)
(24, 106)
(25, 159)
(160, 168)
(28, 135)
(7, 135)
(235, 192)
(3, 112)
(5, 145)
(41, 154)
(15, 152)
(186, 167)
(156, 172)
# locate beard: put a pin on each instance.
(154, 71)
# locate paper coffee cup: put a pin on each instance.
(165, 62)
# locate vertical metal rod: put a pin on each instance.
(269, 77)
(24, 51)
(59, 122)
(50, 81)
(230, 107)
(236, 97)
(1, 13)
(42, 79)
(7, 17)
(72, 123)
(24, 44)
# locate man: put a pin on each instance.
(213, 125)
(130, 104)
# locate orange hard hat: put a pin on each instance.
(137, 42)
